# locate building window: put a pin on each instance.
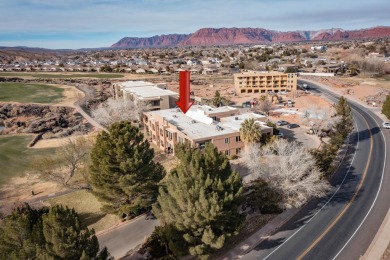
(227, 140)
(227, 152)
(238, 150)
(155, 103)
(238, 139)
(201, 145)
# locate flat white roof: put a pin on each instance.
(145, 89)
(135, 84)
(149, 92)
(211, 110)
(234, 122)
(190, 127)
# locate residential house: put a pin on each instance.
(140, 70)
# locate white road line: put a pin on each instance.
(345, 177)
(376, 196)
(380, 184)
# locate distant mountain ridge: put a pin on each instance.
(228, 36)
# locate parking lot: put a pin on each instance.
(298, 134)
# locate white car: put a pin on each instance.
(386, 125)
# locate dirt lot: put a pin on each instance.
(356, 87)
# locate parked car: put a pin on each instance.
(281, 122)
(289, 126)
(386, 125)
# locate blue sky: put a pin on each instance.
(100, 23)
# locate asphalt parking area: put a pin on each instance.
(299, 135)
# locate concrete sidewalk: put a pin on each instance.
(380, 242)
(260, 235)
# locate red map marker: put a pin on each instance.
(184, 102)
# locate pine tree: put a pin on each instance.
(21, 233)
(65, 236)
(345, 126)
(54, 233)
(386, 107)
(201, 198)
(122, 172)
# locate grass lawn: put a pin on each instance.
(15, 157)
(63, 76)
(88, 208)
(25, 93)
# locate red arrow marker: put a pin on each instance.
(184, 93)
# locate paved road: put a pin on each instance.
(342, 225)
(122, 239)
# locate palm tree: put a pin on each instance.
(250, 131)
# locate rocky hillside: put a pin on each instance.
(155, 41)
(227, 36)
(49, 121)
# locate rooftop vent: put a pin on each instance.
(193, 121)
(218, 128)
(236, 118)
(175, 116)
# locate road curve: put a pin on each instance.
(342, 225)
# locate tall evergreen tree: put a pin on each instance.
(54, 233)
(65, 236)
(345, 126)
(386, 107)
(122, 172)
(21, 233)
(201, 198)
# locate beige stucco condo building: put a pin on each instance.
(264, 82)
(200, 125)
(155, 96)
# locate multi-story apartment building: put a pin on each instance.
(264, 82)
(200, 125)
(155, 96)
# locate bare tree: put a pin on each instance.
(318, 118)
(69, 160)
(288, 168)
(264, 106)
(115, 110)
(370, 65)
